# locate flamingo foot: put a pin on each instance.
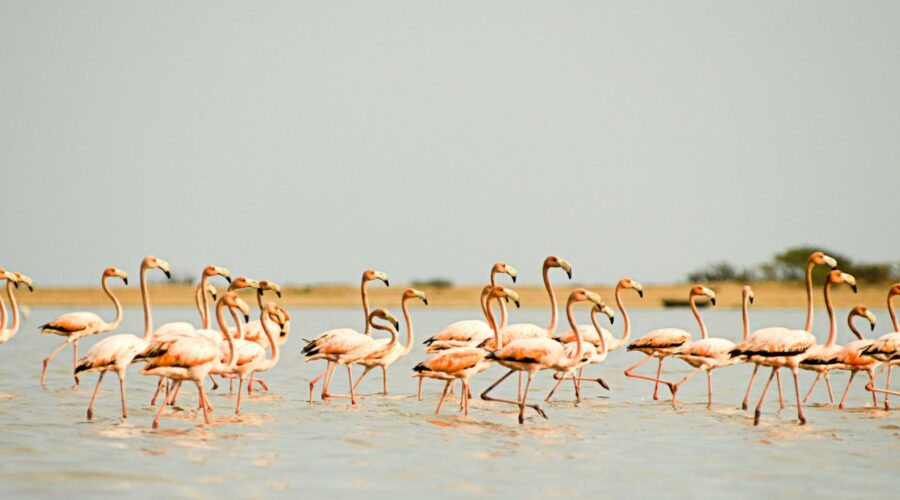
(602, 383)
(756, 416)
(90, 414)
(802, 420)
(744, 405)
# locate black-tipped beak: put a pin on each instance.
(425, 301)
(228, 279)
(259, 291)
(168, 274)
(712, 301)
(517, 304)
(246, 318)
(569, 273)
(751, 300)
(853, 287)
(15, 283)
(214, 297)
(872, 326)
(387, 283)
(278, 293)
(514, 279)
(834, 267)
(30, 288)
(640, 293)
(612, 320)
(396, 325)
(125, 280)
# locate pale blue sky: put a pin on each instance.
(305, 141)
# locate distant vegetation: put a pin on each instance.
(790, 265)
(433, 283)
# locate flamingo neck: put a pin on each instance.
(203, 302)
(498, 340)
(624, 313)
(365, 301)
(394, 336)
(853, 327)
(220, 318)
(409, 328)
(504, 314)
(745, 313)
(703, 333)
(890, 305)
(554, 314)
(809, 296)
(603, 346)
(832, 321)
(272, 344)
(145, 301)
(570, 314)
(13, 307)
(3, 309)
(484, 299)
(118, 320)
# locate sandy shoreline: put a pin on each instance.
(768, 295)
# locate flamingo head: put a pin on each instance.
(269, 285)
(242, 282)
(501, 292)
(385, 315)
(864, 311)
(151, 262)
(210, 271)
(21, 278)
(608, 311)
(412, 293)
(698, 290)
(820, 259)
(6, 275)
(584, 295)
(211, 290)
(371, 274)
(837, 277)
(634, 285)
(894, 290)
(503, 267)
(112, 272)
(747, 293)
(554, 261)
(232, 301)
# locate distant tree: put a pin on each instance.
(721, 271)
(790, 265)
(433, 283)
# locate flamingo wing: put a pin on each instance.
(452, 360)
(661, 339)
(181, 352)
(111, 350)
(70, 323)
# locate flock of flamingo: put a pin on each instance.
(179, 352)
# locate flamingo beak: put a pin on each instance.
(640, 293)
(853, 287)
(569, 273)
(246, 318)
(872, 327)
(425, 301)
(751, 299)
(228, 279)
(713, 301)
(612, 320)
(278, 293)
(517, 304)
(168, 274)
(125, 280)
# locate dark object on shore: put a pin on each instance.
(682, 303)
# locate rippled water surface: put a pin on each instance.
(615, 442)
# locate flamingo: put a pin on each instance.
(12, 281)
(367, 276)
(822, 358)
(542, 353)
(266, 364)
(612, 343)
(666, 341)
(116, 352)
(241, 358)
(270, 317)
(345, 346)
(201, 300)
(77, 325)
(782, 348)
(192, 357)
(711, 353)
(850, 358)
(815, 259)
(461, 363)
(596, 358)
(530, 330)
(387, 357)
(887, 349)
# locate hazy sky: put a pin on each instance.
(305, 141)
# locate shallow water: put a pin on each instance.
(615, 442)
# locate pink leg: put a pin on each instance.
(485, 396)
(250, 385)
(656, 386)
(175, 397)
(437, 411)
(237, 407)
(384, 378)
(682, 381)
(828, 385)
(75, 362)
(163, 407)
(847, 389)
(159, 387)
(797, 391)
(559, 381)
(813, 386)
(630, 373)
(525, 397)
(312, 383)
(122, 392)
(362, 376)
(749, 386)
(215, 385)
(421, 381)
(520, 386)
(325, 393)
(709, 388)
(352, 392)
(872, 381)
(466, 395)
(50, 357)
(762, 398)
(204, 402)
(780, 394)
(887, 388)
(90, 410)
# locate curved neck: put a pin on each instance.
(853, 327)
(554, 314)
(394, 335)
(498, 341)
(3, 309)
(570, 313)
(809, 296)
(745, 313)
(203, 302)
(365, 301)
(832, 321)
(890, 304)
(118, 305)
(624, 314)
(220, 318)
(145, 301)
(409, 330)
(13, 307)
(603, 347)
(703, 333)
(272, 344)
(503, 311)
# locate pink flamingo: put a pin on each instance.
(542, 353)
(273, 317)
(782, 348)
(323, 339)
(664, 342)
(345, 346)
(711, 353)
(886, 349)
(77, 325)
(116, 352)
(822, 358)
(595, 356)
(850, 358)
(239, 359)
(386, 357)
(462, 363)
(12, 281)
(612, 343)
(201, 300)
(269, 309)
(815, 259)
(192, 357)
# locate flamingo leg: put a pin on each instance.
(762, 398)
(327, 384)
(685, 379)
(630, 373)
(90, 409)
(656, 386)
(122, 392)
(780, 394)
(828, 385)
(250, 385)
(162, 407)
(520, 386)
(847, 390)
(467, 395)
(813, 386)
(577, 385)
(352, 391)
(177, 391)
(312, 383)
(559, 381)
(749, 386)
(797, 391)
(384, 378)
(48, 358)
(709, 390)
(237, 407)
(525, 396)
(872, 381)
(215, 385)
(419, 394)
(362, 375)
(203, 401)
(486, 397)
(887, 388)
(75, 363)
(437, 411)
(159, 386)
